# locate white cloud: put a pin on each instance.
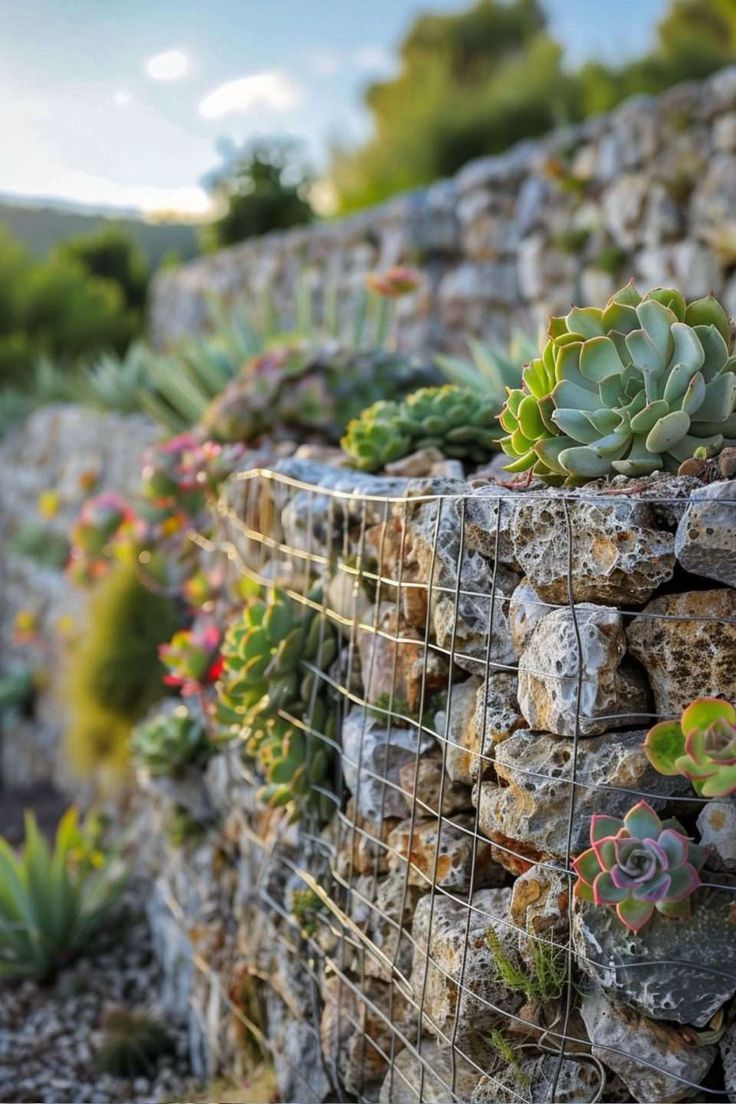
(373, 59)
(269, 90)
(122, 98)
(169, 65)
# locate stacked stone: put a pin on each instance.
(648, 191)
(504, 653)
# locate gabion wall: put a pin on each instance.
(648, 191)
(502, 655)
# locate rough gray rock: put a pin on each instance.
(672, 970)
(431, 782)
(483, 998)
(687, 645)
(619, 556)
(526, 610)
(717, 831)
(654, 1060)
(370, 755)
(728, 1056)
(482, 714)
(533, 1080)
(705, 542)
(489, 512)
(464, 611)
(396, 667)
(442, 853)
(429, 1079)
(530, 808)
(612, 694)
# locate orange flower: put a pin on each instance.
(396, 281)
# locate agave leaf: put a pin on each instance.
(709, 312)
(647, 360)
(672, 299)
(668, 431)
(585, 321)
(677, 382)
(688, 349)
(613, 445)
(620, 317)
(548, 451)
(567, 394)
(628, 294)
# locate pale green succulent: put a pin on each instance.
(634, 388)
(493, 369)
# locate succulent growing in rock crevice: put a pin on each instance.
(701, 746)
(639, 865)
(455, 420)
(630, 389)
(169, 742)
(271, 694)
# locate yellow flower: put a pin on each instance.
(48, 504)
(25, 626)
(66, 626)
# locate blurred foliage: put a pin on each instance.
(41, 542)
(111, 254)
(58, 307)
(258, 188)
(472, 83)
(114, 673)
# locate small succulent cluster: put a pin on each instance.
(701, 746)
(631, 389)
(169, 742)
(192, 657)
(455, 420)
(271, 693)
(295, 389)
(639, 865)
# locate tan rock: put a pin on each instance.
(449, 863)
(687, 645)
(471, 736)
(397, 668)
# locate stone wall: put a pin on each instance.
(648, 191)
(490, 704)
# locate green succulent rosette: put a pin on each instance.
(701, 746)
(170, 742)
(460, 423)
(639, 865)
(270, 693)
(630, 389)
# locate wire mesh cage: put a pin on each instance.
(479, 725)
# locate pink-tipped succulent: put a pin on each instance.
(100, 519)
(192, 657)
(639, 865)
(701, 746)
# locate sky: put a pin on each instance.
(121, 103)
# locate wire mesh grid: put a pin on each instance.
(412, 927)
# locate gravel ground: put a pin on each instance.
(49, 1036)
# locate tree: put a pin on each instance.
(258, 188)
(469, 84)
(111, 254)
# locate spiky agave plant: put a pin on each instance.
(270, 692)
(701, 746)
(633, 388)
(493, 369)
(639, 865)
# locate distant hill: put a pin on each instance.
(41, 227)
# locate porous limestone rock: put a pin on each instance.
(425, 783)
(728, 1056)
(705, 542)
(529, 810)
(717, 831)
(488, 514)
(477, 992)
(682, 971)
(397, 669)
(539, 1079)
(447, 862)
(389, 951)
(600, 688)
(372, 758)
(429, 1079)
(526, 610)
(539, 908)
(654, 1060)
(618, 555)
(467, 605)
(360, 844)
(471, 738)
(687, 645)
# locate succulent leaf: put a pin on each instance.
(701, 746)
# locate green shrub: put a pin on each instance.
(115, 674)
(53, 902)
(42, 543)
